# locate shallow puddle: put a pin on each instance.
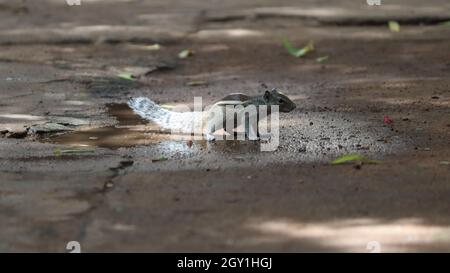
(131, 130)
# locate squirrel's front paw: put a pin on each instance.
(252, 137)
(210, 137)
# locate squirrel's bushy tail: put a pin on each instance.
(175, 121)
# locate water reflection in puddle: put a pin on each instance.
(131, 131)
(328, 138)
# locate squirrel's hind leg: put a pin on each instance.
(210, 131)
(251, 131)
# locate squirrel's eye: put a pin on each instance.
(280, 101)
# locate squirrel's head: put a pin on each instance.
(277, 98)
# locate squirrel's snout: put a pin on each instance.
(293, 106)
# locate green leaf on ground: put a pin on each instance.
(322, 59)
(185, 54)
(168, 106)
(298, 52)
(153, 47)
(444, 162)
(196, 83)
(353, 158)
(447, 23)
(162, 158)
(394, 26)
(60, 152)
(127, 76)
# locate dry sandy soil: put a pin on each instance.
(130, 189)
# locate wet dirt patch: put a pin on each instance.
(131, 131)
(314, 137)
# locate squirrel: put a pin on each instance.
(214, 118)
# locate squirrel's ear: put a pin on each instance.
(274, 90)
(267, 96)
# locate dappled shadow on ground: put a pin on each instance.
(290, 208)
(357, 235)
(224, 196)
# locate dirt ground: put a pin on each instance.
(129, 189)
